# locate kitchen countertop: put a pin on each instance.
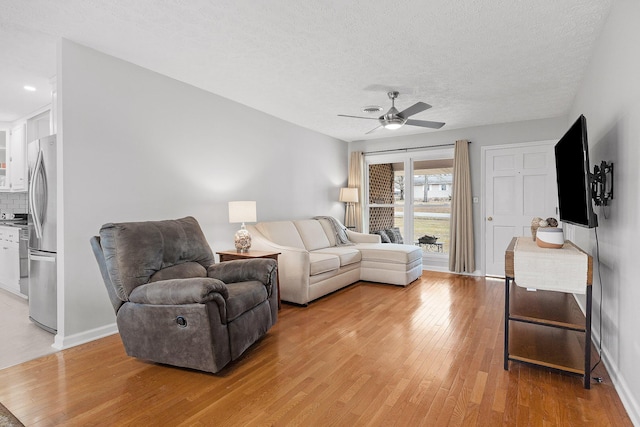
(17, 224)
(19, 221)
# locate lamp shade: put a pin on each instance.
(242, 211)
(349, 195)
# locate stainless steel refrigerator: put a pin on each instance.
(42, 222)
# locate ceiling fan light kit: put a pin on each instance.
(395, 119)
(392, 123)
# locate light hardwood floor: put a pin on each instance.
(20, 339)
(428, 354)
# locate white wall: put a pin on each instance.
(609, 97)
(136, 145)
(506, 133)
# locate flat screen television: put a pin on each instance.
(573, 176)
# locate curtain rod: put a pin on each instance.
(411, 148)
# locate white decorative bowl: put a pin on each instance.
(550, 237)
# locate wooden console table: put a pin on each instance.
(547, 328)
(233, 254)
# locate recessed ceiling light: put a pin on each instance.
(372, 109)
(30, 88)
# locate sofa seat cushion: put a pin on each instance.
(389, 253)
(347, 254)
(243, 296)
(321, 263)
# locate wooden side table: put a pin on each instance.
(231, 255)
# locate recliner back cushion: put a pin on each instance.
(312, 234)
(186, 270)
(135, 251)
(281, 232)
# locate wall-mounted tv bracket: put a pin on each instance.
(602, 183)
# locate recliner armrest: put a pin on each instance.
(244, 270)
(197, 290)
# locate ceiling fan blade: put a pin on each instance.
(415, 109)
(358, 117)
(425, 123)
(373, 130)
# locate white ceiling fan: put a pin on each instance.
(395, 119)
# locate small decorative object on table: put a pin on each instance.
(538, 222)
(550, 237)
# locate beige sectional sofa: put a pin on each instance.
(312, 265)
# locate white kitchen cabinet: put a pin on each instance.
(39, 126)
(13, 150)
(4, 137)
(17, 165)
(13, 160)
(10, 259)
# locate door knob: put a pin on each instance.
(489, 218)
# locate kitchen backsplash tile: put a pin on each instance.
(13, 202)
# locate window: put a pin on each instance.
(412, 191)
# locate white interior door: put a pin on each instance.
(520, 184)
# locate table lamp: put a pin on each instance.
(242, 211)
(349, 196)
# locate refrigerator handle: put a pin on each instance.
(42, 258)
(37, 221)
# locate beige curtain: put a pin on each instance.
(356, 167)
(461, 252)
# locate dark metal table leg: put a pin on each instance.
(507, 282)
(587, 340)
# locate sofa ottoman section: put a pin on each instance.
(390, 263)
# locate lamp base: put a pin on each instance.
(243, 240)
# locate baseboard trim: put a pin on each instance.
(630, 404)
(628, 401)
(445, 269)
(67, 341)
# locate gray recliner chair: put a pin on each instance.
(173, 304)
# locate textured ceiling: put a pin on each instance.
(476, 62)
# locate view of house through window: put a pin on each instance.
(425, 194)
(432, 184)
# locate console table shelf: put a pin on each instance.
(547, 328)
(554, 348)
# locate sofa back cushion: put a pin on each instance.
(328, 230)
(282, 233)
(312, 234)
